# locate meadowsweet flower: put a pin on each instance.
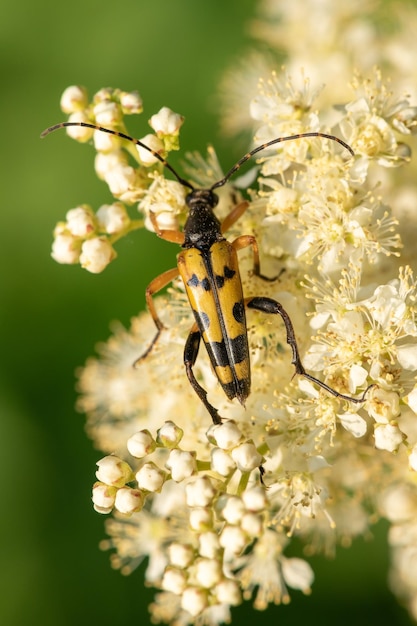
(214, 507)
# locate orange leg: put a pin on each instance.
(156, 285)
(249, 240)
(234, 215)
(175, 236)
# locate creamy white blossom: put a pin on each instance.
(213, 508)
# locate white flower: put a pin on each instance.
(228, 592)
(226, 435)
(128, 500)
(194, 600)
(388, 437)
(113, 471)
(174, 580)
(103, 497)
(141, 444)
(209, 545)
(246, 457)
(113, 218)
(66, 248)
(208, 572)
(233, 539)
(155, 144)
(169, 435)
(166, 122)
(182, 464)
(222, 462)
(180, 555)
(96, 254)
(107, 113)
(79, 133)
(131, 102)
(200, 492)
(74, 99)
(150, 477)
(81, 221)
(298, 574)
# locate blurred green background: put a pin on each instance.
(52, 571)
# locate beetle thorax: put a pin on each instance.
(202, 227)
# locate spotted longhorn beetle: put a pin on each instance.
(208, 266)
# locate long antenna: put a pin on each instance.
(117, 133)
(181, 180)
(250, 154)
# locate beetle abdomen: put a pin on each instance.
(212, 281)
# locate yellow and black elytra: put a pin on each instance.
(208, 266)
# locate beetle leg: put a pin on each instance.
(175, 236)
(190, 355)
(234, 215)
(156, 285)
(244, 241)
(267, 305)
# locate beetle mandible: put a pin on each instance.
(208, 266)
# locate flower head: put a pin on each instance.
(214, 507)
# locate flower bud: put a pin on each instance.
(180, 554)
(96, 254)
(200, 492)
(169, 435)
(107, 113)
(154, 143)
(81, 221)
(231, 508)
(412, 459)
(182, 464)
(254, 499)
(228, 592)
(103, 497)
(209, 545)
(388, 437)
(233, 539)
(208, 572)
(129, 500)
(226, 435)
(131, 102)
(150, 477)
(141, 444)
(66, 249)
(252, 524)
(222, 462)
(113, 471)
(246, 456)
(194, 600)
(74, 99)
(201, 519)
(166, 122)
(79, 133)
(174, 580)
(113, 218)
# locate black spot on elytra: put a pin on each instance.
(219, 281)
(202, 319)
(227, 274)
(239, 312)
(195, 282)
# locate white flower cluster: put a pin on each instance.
(87, 237)
(191, 500)
(203, 566)
(188, 501)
